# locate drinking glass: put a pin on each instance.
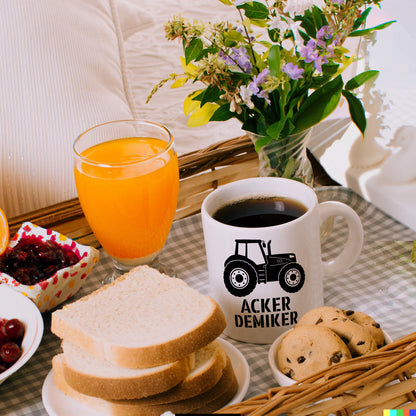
(127, 178)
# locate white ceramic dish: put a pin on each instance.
(241, 369)
(15, 305)
(278, 375)
(57, 403)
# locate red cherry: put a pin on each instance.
(10, 352)
(13, 330)
(33, 260)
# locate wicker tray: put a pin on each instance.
(363, 386)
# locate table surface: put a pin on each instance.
(382, 283)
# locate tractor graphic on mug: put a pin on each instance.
(253, 263)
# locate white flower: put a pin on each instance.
(294, 27)
(278, 23)
(284, 25)
(297, 7)
(245, 94)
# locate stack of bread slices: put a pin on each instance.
(143, 345)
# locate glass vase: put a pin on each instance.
(286, 157)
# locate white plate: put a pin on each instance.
(57, 403)
(15, 305)
(241, 370)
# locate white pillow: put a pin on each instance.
(133, 17)
(62, 71)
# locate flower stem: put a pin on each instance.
(249, 41)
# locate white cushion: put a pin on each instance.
(62, 71)
(133, 17)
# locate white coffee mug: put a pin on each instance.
(265, 278)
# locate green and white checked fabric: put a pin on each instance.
(382, 283)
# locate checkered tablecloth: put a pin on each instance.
(382, 283)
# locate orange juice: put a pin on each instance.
(128, 193)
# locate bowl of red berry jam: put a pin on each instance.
(45, 265)
(21, 330)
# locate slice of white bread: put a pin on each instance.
(96, 377)
(142, 319)
(99, 378)
(212, 399)
(210, 362)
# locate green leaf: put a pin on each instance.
(356, 111)
(201, 115)
(205, 52)
(193, 50)
(361, 19)
(330, 69)
(309, 26)
(274, 35)
(179, 82)
(364, 32)
(275, 102)
(265, 43)
(189, 104)
(289, 127)
(258, 22)
(227, 2)
(210, 94)
(273, 59)
(261, 142)
(234, 35)
(249, 124)
(255, 10)
(274, 130)
(222, 113)
(319, 105)
(304, 36)
(319, 17)
(413, 254)
(360, 79)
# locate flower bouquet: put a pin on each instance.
(278, 69)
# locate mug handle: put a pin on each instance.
(355, 239)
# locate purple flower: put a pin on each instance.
(319, 61)
(261, 78)
(309, 52)
(292, 70)
(338, 1)
(325, 32)
(226, 58)
(240, 57)
(254, 86)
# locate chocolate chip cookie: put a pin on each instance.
(368, 322)
(321, 315)
(358, 338)
(307, 349)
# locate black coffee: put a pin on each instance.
(260, 212)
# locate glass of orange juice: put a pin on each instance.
(127, 178)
